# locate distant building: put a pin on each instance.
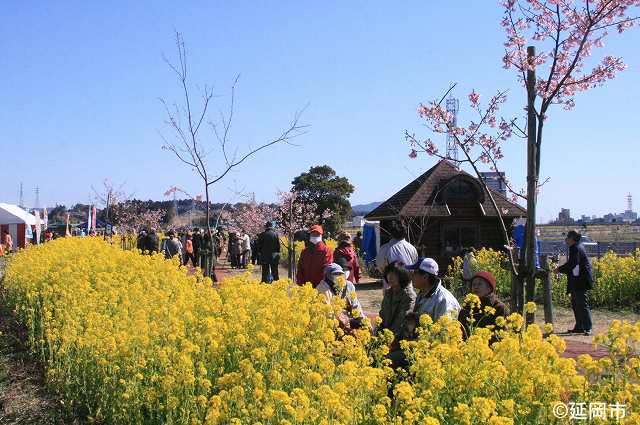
(564, 218)
(495, 181)
(629, 216)
(585, 219)
(358, 221)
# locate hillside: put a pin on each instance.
(363, 209)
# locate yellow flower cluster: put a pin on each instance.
(516, 380)
(486, 259)
(284, 253)
(134, 339)
(616, 378)
(617, 280)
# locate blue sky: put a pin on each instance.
(81, 81)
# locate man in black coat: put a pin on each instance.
(269, 248)
(152, 242)
(197, 246)
(579, 281)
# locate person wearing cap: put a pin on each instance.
(141, 240)
(345, 251)
(397, 301)
(269, 248)
(397, 250)
(483, 284)
(433, 298)
(335, 284)
(314, 258)
(579, 281)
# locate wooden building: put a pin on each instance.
(445, 210)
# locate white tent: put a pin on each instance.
(17, 222)
(13, 214)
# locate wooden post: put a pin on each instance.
(532, 183)
(516, 283)
(547, 288)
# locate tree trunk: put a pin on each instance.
(291, 245)
(210, 252)
(532, 185)
(292, 252)
(547, 286)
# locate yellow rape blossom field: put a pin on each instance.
(133, 339)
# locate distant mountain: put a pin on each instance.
(364, 208)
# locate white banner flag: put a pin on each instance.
(45, 218)
(38, 226)
(89, 221)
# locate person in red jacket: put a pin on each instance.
(345, 250)
(313, 259)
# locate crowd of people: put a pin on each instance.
(413, 288)
(191, 246)
(6, 240)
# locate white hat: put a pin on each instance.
(427, 265)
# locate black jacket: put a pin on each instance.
(268, 245)
(578, 269)
(152, 243)
(197, 243)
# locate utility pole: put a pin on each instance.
(21, 197)
(532, 183)
(37, 191)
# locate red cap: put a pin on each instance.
(316, 228)
(488, 277)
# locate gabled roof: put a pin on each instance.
(13, 214)
(417, 198)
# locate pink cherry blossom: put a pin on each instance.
(474, 98)
(565, 34)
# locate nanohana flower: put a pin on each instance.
(149, 337)
(530, 307)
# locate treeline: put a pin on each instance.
(78, 212)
